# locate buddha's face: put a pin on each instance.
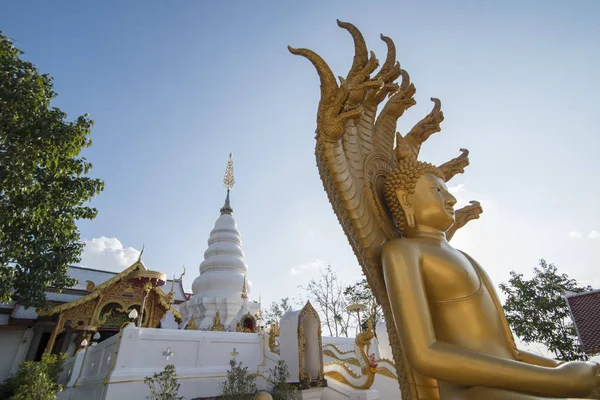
(431, 205)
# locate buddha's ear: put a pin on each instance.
(407, 207)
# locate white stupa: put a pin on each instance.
(222, 284)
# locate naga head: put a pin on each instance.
(416, 191)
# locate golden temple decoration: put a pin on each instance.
(147, 275)
(248, 323)
(109, 303)
(228, 182)
(229, 179)
(464, 215)
(141, 253)
(90, 286)
(273, 334)
(308, 311)
(244, 289)
(192, 325)
(369, 365)
(398, 216)
(217, 325)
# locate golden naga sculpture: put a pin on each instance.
(369, 365)
(273, 335)
(447, 329)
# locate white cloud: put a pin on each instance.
(462, 194)
(308, 267)
(594, 235)
(108, 254)
(575, 235)
(457, 188)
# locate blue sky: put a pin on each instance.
(174, 87)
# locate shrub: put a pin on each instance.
(240, 384)
(278, 376)
(39, 386)
(35, 380)
(163, 385)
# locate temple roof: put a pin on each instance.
(585, 310)
(80, 290)
(97, 290)
(83, 274)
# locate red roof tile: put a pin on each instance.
(585, 309)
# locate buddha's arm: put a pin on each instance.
(527, 357)
(452, 363)
(535, 359)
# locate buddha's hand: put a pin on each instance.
(580, 378)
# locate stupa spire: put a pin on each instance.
(244, 289)
(228, 182)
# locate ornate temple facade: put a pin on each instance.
(99, 303)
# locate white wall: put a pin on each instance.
(201, 359)
(10, 340)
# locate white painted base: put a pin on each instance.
(312, 394)
(115, 369)
(365, 395)
(338, 391)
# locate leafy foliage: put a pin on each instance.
(43, 187)
(278, 376)
(240, 384)
(276, 311)
(327, 296)
(331, 300)
(163, 385)
(538, 313)
(35, 380)
(361, 293)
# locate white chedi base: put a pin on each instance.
(204, 309)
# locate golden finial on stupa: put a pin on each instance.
(228, 182)
(244, 289)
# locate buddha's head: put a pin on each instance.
(418, 197)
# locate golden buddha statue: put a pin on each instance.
(217, 325)
(447, 329)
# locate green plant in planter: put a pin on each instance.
(163, 385)
(240, 384)
(278, 376)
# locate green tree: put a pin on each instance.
(35, 380)
(240, 384)
(39, 385)
(43, 183)
(280, 388)
(276, 311)
(163, 385)
(538, 313)
(361, 293)
(327, 296)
